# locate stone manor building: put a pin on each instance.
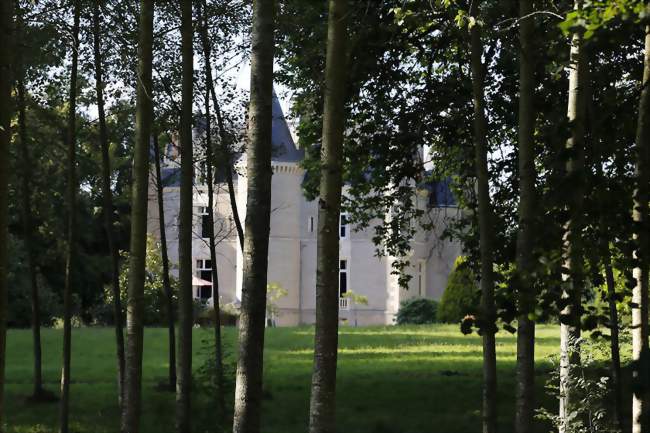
(292, 243)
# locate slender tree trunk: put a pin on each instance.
(525, 368)
(108, 202)
(248, 388)
(135, 298)
(71, 253)
(6, 39)
(640, 398)
(223, 140)
(573, 254)
(485, 221)
(167, 287)
(322, 409)
(614, 338)
(209, 163)
(185, 319)
(29, 240)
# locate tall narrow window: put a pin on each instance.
(421, 277)
(205, 222)
(343, 277)
(343, 226)
(204, 272)
(310, 224)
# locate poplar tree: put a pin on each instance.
(322, 408)
(137, 258)
(248, 386)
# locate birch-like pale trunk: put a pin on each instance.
(6, 69)
(71, 205)
(248, 387)
(107, 200)
(485, 222)
(185, 299)
(525, 261)
(132, 402)
(640, 361)
(574, 280)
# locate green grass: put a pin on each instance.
(390, 380)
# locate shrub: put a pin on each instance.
(461, 295)
(417, 311)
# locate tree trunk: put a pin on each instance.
(209, 163)
(223, 140)
(71, 252)
(614, 338)
(640, 399)
(248, 389)
(185, 319)
(167, 287)
(137, 259)
(485, 222)
(322, 408)
(108, 202)
(26, 206)
(6, 39)
(572, 242)
(525, 368)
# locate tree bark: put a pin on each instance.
(167, 287)
(137, 259)
(248, 388)
(185, 319)
(209, 163)
(6, 69)
(485, 222)
(525, 368)
(572, 242)
(71, 251)
(108, 202)
(28, 227)
(640, 398)
(322, 409)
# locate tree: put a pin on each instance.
(135, 297)
(107, 202)
(322, 408)
(71, 196)
(210, 166)
(573, 256)
(248, 388)
(6, 66)
(485, 221)
(640, 350)
(525, 284)
(185, 319)
(167, 287)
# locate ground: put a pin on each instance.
(390, 380)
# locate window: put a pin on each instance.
(204, 272)
(343, 277)
(343, 226)
(421, 277)
(310, 224)
(205, 222)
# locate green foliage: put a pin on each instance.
(417, 311)
(589, 389)
(154, 296)
(461, 294)
(274, 292)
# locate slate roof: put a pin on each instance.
(284, 148)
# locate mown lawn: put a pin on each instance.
(390, 380)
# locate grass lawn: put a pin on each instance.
(415, 379)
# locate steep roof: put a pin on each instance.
(284, 148)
